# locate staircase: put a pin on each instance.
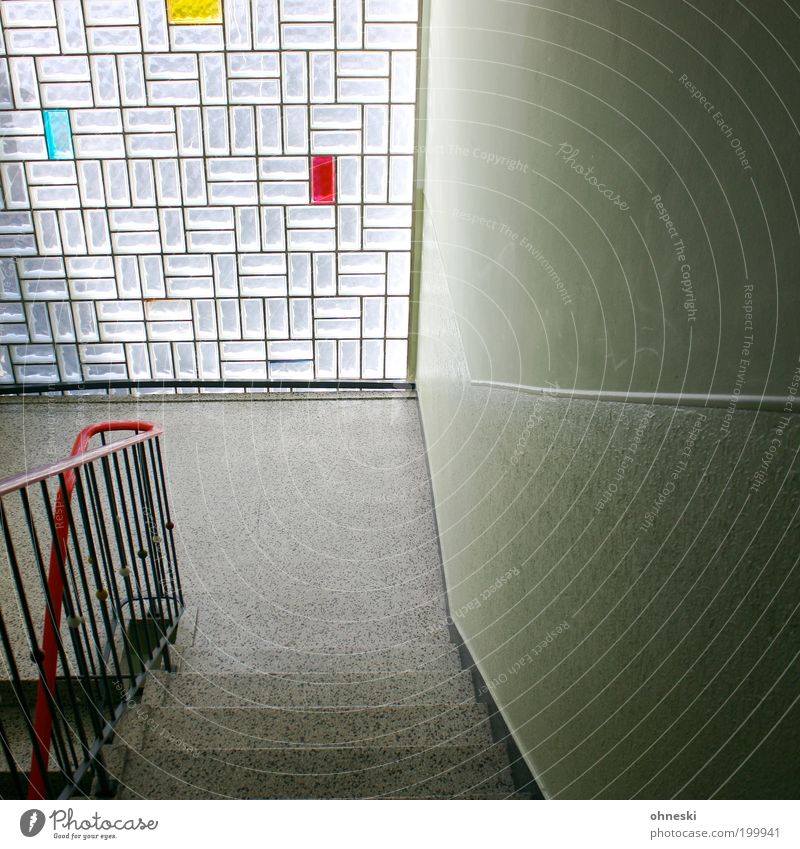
(397, 723)
(314, 660)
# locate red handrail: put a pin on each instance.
(43, 716)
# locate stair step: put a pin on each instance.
(240, 728)
(308, 691)
(254, 630)
(257, 657)
(314, 773)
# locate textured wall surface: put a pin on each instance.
(624, 574)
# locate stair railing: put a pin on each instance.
(112, 570)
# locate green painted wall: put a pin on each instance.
(538, 114)
(625, 575)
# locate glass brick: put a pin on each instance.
(122, 331)
(247, 229)
(104, 81)
(398, 279)
(24, 83)
(40, 373)
(13, 333)
(387, 239)
(211, 242)
(307, 36)
(237, 24)
(47, 289)
(349, 365)
(376, 179)
(6, 95)
(392, 10)
(85, 322)
(99, 12)
(311, 240)
(174, 93)
(247, 350)
(293, 349)
(115, 177)
(404, 77)
(96, 121)
(228, 319)
(307, 10)
(262, 285)
(168, 185)
(131, 74)
(323, 179)
(168, 66)
(325, 359)
(362, 263)
(33, 354)
(212, 67)
(90, 182)
(208, 360)
(97, 234)
(172, 232)
(205, 319)
(390, 36)
(193, 180)
(235, 194)
(58, 134)
(69, 365)
(243, 135)
(362, 284)
(127, 274)
(244, 371)
(337, 308)
(376, 135)
(322, 78)
(161, 358)
(402, 135)
(55, 69)
(171, 331)
(284, 193)
(291, 370)
(73, 237)
(215, 121)
(350, 228)
(32, 42)
(337, 328)
(190, 140)
(349, 24)
(295, 77)
(22, 148)
(143, 184)
(69, 16)
(362, 90)
(196, 38)
(397, 359)
(300, 317)
(151, 271)
(184, 359)
(273, 233)
(255, 91)
(175, 310)
(269, 130)
(61, 322)
(225, 281)
(277, 318)
(401, 179)
(209, 218)
(15, 186)
(295, 129)
(265, 13)
(48, 236)
(138, 361)
(373, 320)
(194, 11)
(252, 318)
(154, 25)
(299, 274)
(372, 359)
(99, 147)
(114, 40)
(341, 142)
(387, 216)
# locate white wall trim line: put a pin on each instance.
(765, 403)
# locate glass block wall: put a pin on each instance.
(205, 189)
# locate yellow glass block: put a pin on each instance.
(194, 11)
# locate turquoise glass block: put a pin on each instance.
(58, 134)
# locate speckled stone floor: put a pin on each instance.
(314, 659)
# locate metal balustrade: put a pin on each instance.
(104, 517)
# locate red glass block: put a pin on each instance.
(323, 179)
